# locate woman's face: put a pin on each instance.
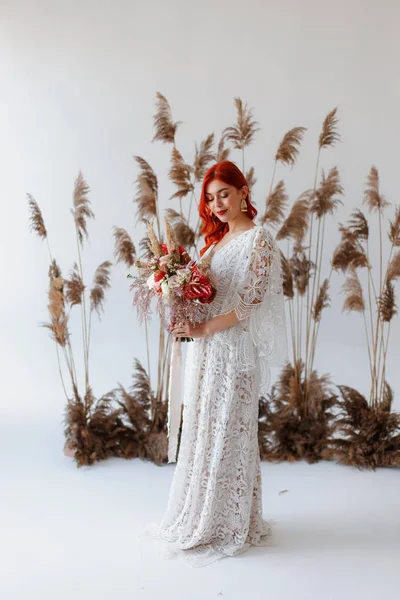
(224, 200)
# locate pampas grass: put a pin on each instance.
(183, 233)
(296, 223)
(124, 248)
(81, 210)
(251, 179)
(288, 149)
(275, 206)
(241, 134)
(36, 218)
(329, 135)
(222, 152)
(203, 157)
(286, 154)
(289, 433)
(146, 198)
(180, 174)
(165, 128)
(372, 431)
(64, 295)
(294, 435)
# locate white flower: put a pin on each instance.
(165, 288)
(174, 282)
(164, 259)
(150, 281)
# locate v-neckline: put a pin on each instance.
(232, 240)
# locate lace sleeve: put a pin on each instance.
(260, 299)
(254, 288)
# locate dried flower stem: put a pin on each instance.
(272, 178)
(147, 348)
(378, 319)
(384, 361)
(318, 272)
(83, 317)
(308, 304)
(293, 329)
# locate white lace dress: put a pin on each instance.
(215, 502)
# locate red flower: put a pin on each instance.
(198, 287)
(158, 275)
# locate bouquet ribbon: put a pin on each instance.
(174, 398)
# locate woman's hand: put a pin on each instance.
(198, 330)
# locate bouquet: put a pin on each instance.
(180, 285)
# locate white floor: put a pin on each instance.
(71, 533)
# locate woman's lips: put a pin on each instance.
(221, 212)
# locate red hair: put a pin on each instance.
(229, 173)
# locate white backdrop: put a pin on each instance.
(79, 81)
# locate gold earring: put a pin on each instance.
(243, 205)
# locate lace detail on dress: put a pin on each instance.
(214, 507)
(250, 281)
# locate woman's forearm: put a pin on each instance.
(221, 322)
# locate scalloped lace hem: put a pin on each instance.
(203, 554)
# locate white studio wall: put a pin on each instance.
(79, 82)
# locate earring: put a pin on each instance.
(243, 205)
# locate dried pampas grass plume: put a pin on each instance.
(329, 135)
(394, 235)
(241, 134)
(154, 244)
(358, 225)
(387, 303)
(296, 223)
(58, 325)
(101, 282)
(372, 197)
(183, 233)
(288, 149)
(180, 174)
(323, 201)
(74, 287)
(349, 253)
(81, 211)
(251, 180)
(147, 190)
(287, 277)
(144, 247)
(172, 244)
(322, 300)
(394, 267)
(222, 152)
(203, 157)
(301, 268)
(124, 249)
(164, 126)
(275, 205)
(36, 219)
(352, 289)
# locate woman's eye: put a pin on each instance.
(210, 199)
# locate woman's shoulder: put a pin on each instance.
(264, 234)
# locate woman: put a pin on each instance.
(214, 508)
